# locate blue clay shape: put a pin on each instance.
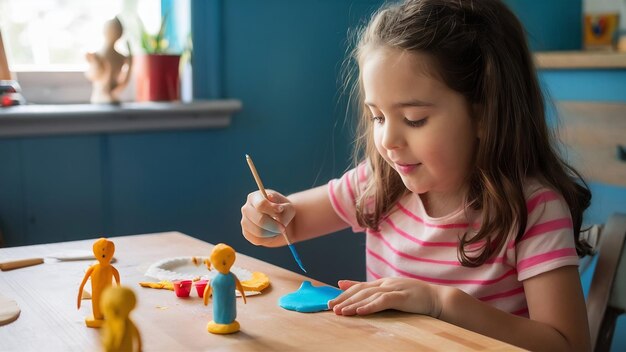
(309, 298)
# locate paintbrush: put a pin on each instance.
(255, 174)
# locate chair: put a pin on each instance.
(607, 293)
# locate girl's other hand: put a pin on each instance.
(263, 220)
(404, 294)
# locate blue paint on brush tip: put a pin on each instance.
(296, 257)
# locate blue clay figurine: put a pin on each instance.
(223, 289)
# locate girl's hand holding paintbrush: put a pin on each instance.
(280, 213)
(264, 220)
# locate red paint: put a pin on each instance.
(182, 288)
(200, 286)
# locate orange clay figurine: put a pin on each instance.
(101, 275)
(119, 333)
(223, 287)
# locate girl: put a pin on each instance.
(470, 215)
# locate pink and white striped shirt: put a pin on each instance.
(412, 244)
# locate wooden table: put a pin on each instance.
(49, 320)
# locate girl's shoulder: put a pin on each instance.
(355, 180)
(534, 187)
(544, 202)
(547, 242)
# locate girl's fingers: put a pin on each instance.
(283, 210)
(352, 297)
(372, 303)
(404, 294)
(353, 288)
(276, 197)
(263, 219)
(251, 238)
(268, 227)
(257, 240)
(351, 306)
(277, 207)
(261, 214)
(380, 303)
(263, 205)
(346, 284)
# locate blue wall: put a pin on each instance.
(552, 24)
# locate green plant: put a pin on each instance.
(154, 43)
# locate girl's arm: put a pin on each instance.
(558, 318)
(315, 215)
(304, 215)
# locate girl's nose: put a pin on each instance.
(392, 135)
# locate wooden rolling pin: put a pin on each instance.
(20, 263)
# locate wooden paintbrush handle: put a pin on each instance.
(16, 264)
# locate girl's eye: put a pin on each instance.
(378, 119)
(416, 123)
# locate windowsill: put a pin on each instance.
(580, 60)
(32, 120)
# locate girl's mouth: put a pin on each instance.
(406, 169)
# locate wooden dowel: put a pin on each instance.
(20, 263)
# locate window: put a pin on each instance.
(46, 41)
(53, 35)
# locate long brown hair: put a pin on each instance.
(481, 52)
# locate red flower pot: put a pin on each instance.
(156, 77)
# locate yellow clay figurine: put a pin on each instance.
(101, 274)
(223, 288)
(119, 333)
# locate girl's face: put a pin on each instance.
(422, 128)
